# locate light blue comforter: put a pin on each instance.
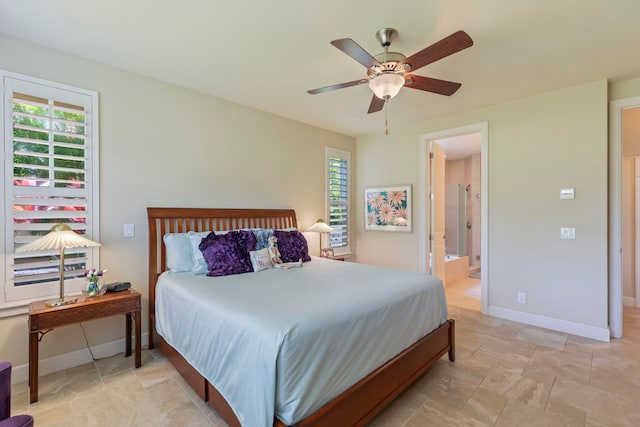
(284, 342)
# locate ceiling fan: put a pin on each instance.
(388, 72)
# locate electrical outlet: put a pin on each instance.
(522, 298)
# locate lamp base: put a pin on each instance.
(60, 302)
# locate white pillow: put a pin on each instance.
(260, 260)
(178, 248)
(183, 251)
(198, 263)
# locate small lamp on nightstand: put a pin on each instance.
(320, 227)
(59, 237)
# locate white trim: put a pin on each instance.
(615, 212)
(568, 327)
(329, 151)
(422, 217)
(72, 359)
(13, 299)
(483, 129)
(628, 301)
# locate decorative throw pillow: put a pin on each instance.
(262, 237)
(260, 260)
(228, 253)
(292, 245)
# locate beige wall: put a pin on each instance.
(162, 145)
(563, 136)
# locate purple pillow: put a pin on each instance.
(228, 253)
(292, 246)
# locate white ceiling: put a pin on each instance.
(459, 147)
(267, 54)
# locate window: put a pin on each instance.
(338, 199)
(50, 176)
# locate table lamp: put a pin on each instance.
(59, 237)
(320, 227)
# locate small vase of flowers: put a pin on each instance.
(93, 289)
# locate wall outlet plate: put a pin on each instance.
(522, 298)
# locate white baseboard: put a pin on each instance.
(75, 358)
(629, 301)
(580, 329)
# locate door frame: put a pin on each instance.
(483, 129)
(636, 182)
(615, 212)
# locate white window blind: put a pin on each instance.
(338, 198)
(50, 171)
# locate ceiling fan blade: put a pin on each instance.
(376, 104)
(354, 50)
(338, 86)
(442, 87)
(445, 47)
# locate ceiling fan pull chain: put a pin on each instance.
(386, 115)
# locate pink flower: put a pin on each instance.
(396, 197)
(386, 213)
(371, 218)
(375, 200)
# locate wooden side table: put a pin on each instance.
(43, 319)
(335, 258)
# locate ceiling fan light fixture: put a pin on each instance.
(386, 86)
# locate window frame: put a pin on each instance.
(14, 302)
(346, 155)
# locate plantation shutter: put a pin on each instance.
(50, 173)
(338, 197)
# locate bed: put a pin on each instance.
(358, 398)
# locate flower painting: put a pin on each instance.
(388, 208)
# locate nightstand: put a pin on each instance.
(43, 319)
(335, 258)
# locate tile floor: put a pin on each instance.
(505, 374)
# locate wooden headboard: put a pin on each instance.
(182, 220)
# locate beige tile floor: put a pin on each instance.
(505, 374)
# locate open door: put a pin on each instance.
(436, 209)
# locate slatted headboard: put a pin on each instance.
(183, 220)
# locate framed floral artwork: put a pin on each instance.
(388, 208)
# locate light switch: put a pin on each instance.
(129, 230)
(567, 194)
(568, 233)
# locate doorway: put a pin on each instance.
(630, 222)
(480, 255)
(622, 124)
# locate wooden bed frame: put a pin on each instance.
(354, 407)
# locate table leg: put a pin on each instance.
(127, 352)
(33, 367)
(138, 315)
